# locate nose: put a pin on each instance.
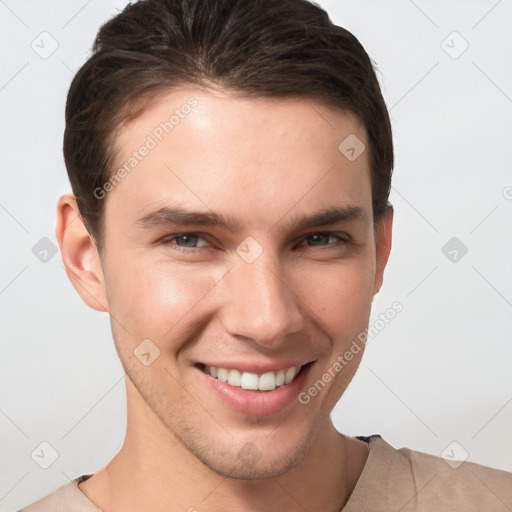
(260, 304)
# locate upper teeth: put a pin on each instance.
(246, 380)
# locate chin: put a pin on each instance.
(253, 457)
(251, 464)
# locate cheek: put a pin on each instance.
(340, 295)
(157, 299)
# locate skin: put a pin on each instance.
(262, 162)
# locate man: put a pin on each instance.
(231, 165)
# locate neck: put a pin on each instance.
(154, 471)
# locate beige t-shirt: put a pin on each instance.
(392, 480)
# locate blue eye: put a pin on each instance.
(188, 238)
(325, 236)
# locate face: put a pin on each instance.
(217, 255)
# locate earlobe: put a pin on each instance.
(80, 255)
(383, 246)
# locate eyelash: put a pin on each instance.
(167, 241)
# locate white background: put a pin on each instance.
(439, 372)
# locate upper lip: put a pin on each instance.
(244, 366)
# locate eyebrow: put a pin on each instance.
(179, 216)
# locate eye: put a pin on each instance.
(319, 238)
(183, 242)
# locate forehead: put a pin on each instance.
(257, 158)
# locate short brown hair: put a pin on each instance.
(256, 48)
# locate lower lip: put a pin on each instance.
(256, 403)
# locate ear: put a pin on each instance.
(80, 255)
(383, 237)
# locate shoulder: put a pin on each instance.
(481, 487)
(67, 498)
(415, 481)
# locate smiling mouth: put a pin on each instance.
(252, 381)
